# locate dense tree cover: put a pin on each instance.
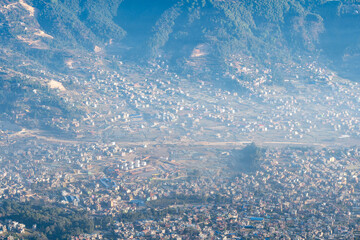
(235, 21)
(79, 23)
(35, 100)
(163, 28)
(148, 213)
(54, 222)
(228, 28)
(271, 32)
(227, 25)
(138, 17)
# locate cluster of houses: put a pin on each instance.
(160, 104)
(9, 226)
(306, 192)
(297, 193)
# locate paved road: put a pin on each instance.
(35, 133)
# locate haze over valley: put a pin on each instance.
(176, 118)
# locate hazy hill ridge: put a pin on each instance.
(181, 31)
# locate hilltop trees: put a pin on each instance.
(55, 222)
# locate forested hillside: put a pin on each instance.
(226, 42)
(199, 34)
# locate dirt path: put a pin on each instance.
(36, 133)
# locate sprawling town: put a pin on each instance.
(207, 130)
(157, 159)
(296, 193)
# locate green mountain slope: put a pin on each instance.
(208, 33)
(224, 41)
(197, 35)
